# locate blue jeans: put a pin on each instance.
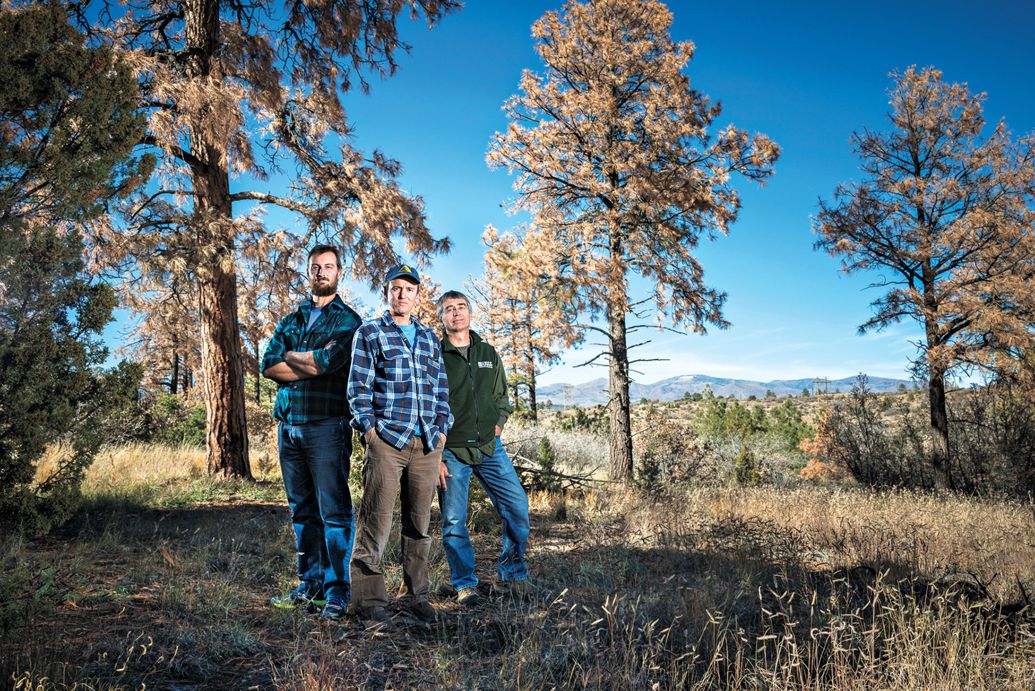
(501, 483)
(314, 460)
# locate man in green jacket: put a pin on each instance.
(478, 400)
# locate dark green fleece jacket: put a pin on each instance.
(477, 398)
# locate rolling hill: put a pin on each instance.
(595, 392)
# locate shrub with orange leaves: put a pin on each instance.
(822, 465)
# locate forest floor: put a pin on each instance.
(164, 582)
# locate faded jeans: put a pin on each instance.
(501, 483)
(314, 460)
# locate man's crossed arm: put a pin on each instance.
(297, 365)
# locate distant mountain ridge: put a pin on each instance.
(671, 389)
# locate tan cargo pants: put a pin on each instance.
(388, 471)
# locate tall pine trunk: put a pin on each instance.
(620, 456)
(533, 406)
(258, 374)
(530, 366)
(174, 378)
(939, 431)
(936, 386)
(515, 377)
(226, 435)
(620, 451)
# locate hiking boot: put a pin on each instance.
(522, 590)
(422, 610)
(334, 609)
(519, 590)
(299, 597)
(375, 618)
(468, 597)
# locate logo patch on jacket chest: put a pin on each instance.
(483, 364)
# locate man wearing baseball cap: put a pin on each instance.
(399, 398)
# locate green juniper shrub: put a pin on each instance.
(594, 419)
(720, 418)
(178, 422)
(545, 475)
(746, 470)
(51, 390)
(164, 418)
(546, 479)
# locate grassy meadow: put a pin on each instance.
(162, 581)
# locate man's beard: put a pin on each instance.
(323, 289)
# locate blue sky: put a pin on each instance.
(807, 74)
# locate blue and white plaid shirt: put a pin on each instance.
(400, 391)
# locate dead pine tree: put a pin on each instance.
(530, 317)
(617, 162)
(234, 93)
(942, 212)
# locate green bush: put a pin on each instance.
(667, 452)
(720, 418)
(746, 470)
(51, 389)
(178, 422)
(156, 419)
(547, 478)
(593, 420)
(785, 422)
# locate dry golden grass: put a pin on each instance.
(131, 464)
(703, 587)
(138, 463)
(932, 534)
(119, 467)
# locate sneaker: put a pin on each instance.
(299, 597)
(468, 597)
(422, 610)
(334, 609)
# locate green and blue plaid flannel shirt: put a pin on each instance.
(330, 339)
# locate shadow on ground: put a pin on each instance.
(178, 599)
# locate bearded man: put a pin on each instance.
(309, 357)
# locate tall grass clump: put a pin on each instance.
(574, 451)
